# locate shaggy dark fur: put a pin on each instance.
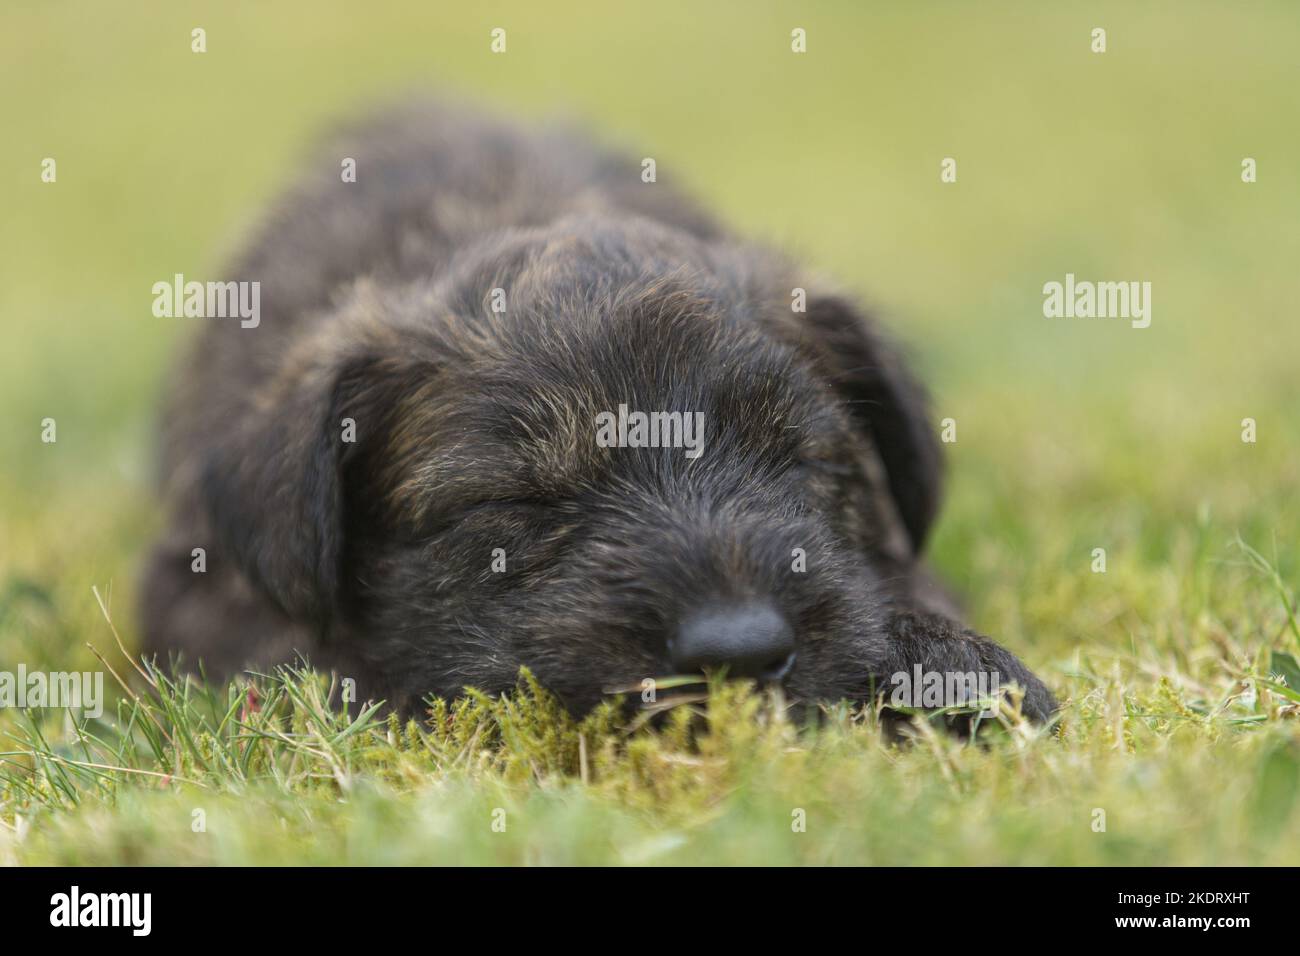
(477, 430)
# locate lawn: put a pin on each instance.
(1178, 742)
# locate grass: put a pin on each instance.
(1177, 665)
(1187, 764)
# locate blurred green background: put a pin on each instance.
(1072, 434)
(1119, 165)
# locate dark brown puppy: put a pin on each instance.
(397, 470)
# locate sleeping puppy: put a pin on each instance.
(508, 405)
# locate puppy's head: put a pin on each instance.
(456, 479)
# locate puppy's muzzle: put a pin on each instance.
(749, 640)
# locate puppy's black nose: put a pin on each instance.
(749, 640)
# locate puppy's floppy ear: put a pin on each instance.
(277, 486)
(890, 405)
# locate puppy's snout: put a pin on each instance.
(749, 640)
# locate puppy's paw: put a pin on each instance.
(936, 645)
(1037, 703)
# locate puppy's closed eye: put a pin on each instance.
(826, 466)
(517, 505)
(822, 466)
(495, 509)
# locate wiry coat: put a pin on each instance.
(475, 431)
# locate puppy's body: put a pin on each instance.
(464, 312)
